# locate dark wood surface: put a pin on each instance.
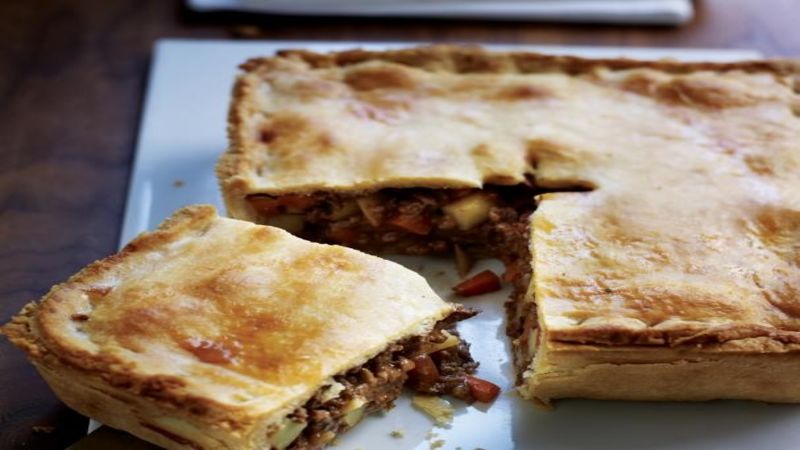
(72, 77)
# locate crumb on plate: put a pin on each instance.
(439, 409)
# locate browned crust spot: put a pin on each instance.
(372, 78)
(472, 59)
(31, 329)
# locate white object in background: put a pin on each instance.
(655, 12)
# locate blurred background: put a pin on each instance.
(72, 79)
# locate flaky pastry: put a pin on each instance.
(215, 333)
(648, 212)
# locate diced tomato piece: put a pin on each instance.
(511, 273)
(482, 390)
(264, 205)
(413, 224)
(486, 281)
(295, 203)
(343, 235)
(424, 372)
(269, 206)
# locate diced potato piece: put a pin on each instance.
(288, 432)
(292, 223)
(355, 416)
(469, 211)
(354, 404)
(346, 209)
(332, 391)
(464, 262)
(439, 409)
(354, 411)
(451, 341)
(367, 204)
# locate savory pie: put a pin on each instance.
(218, 333)
(648, 212)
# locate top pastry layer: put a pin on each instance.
(691, 230)
(447, 116)
(228, 319)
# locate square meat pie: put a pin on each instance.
(215, 333)
(648, 212)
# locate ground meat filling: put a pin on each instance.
(520, 312)
(415, 221)
(452, 364)
(376, 384)
(488, 222)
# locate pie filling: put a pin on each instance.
(416, 221)
(521, 316)
(435, 364)
(488, 222)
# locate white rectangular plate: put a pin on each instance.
(182, 135)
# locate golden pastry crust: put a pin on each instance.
(305, 121)
(207, 331)
(734, 370)
(689, 236)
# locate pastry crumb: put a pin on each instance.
(439, 409)
(437, 444)
(178, 183)
(46, 429)
(397, 434)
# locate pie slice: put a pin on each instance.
(648, 212)
(218, 333)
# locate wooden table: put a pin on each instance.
(72, 78)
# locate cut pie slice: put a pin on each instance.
(218, 333)
(648, 212)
